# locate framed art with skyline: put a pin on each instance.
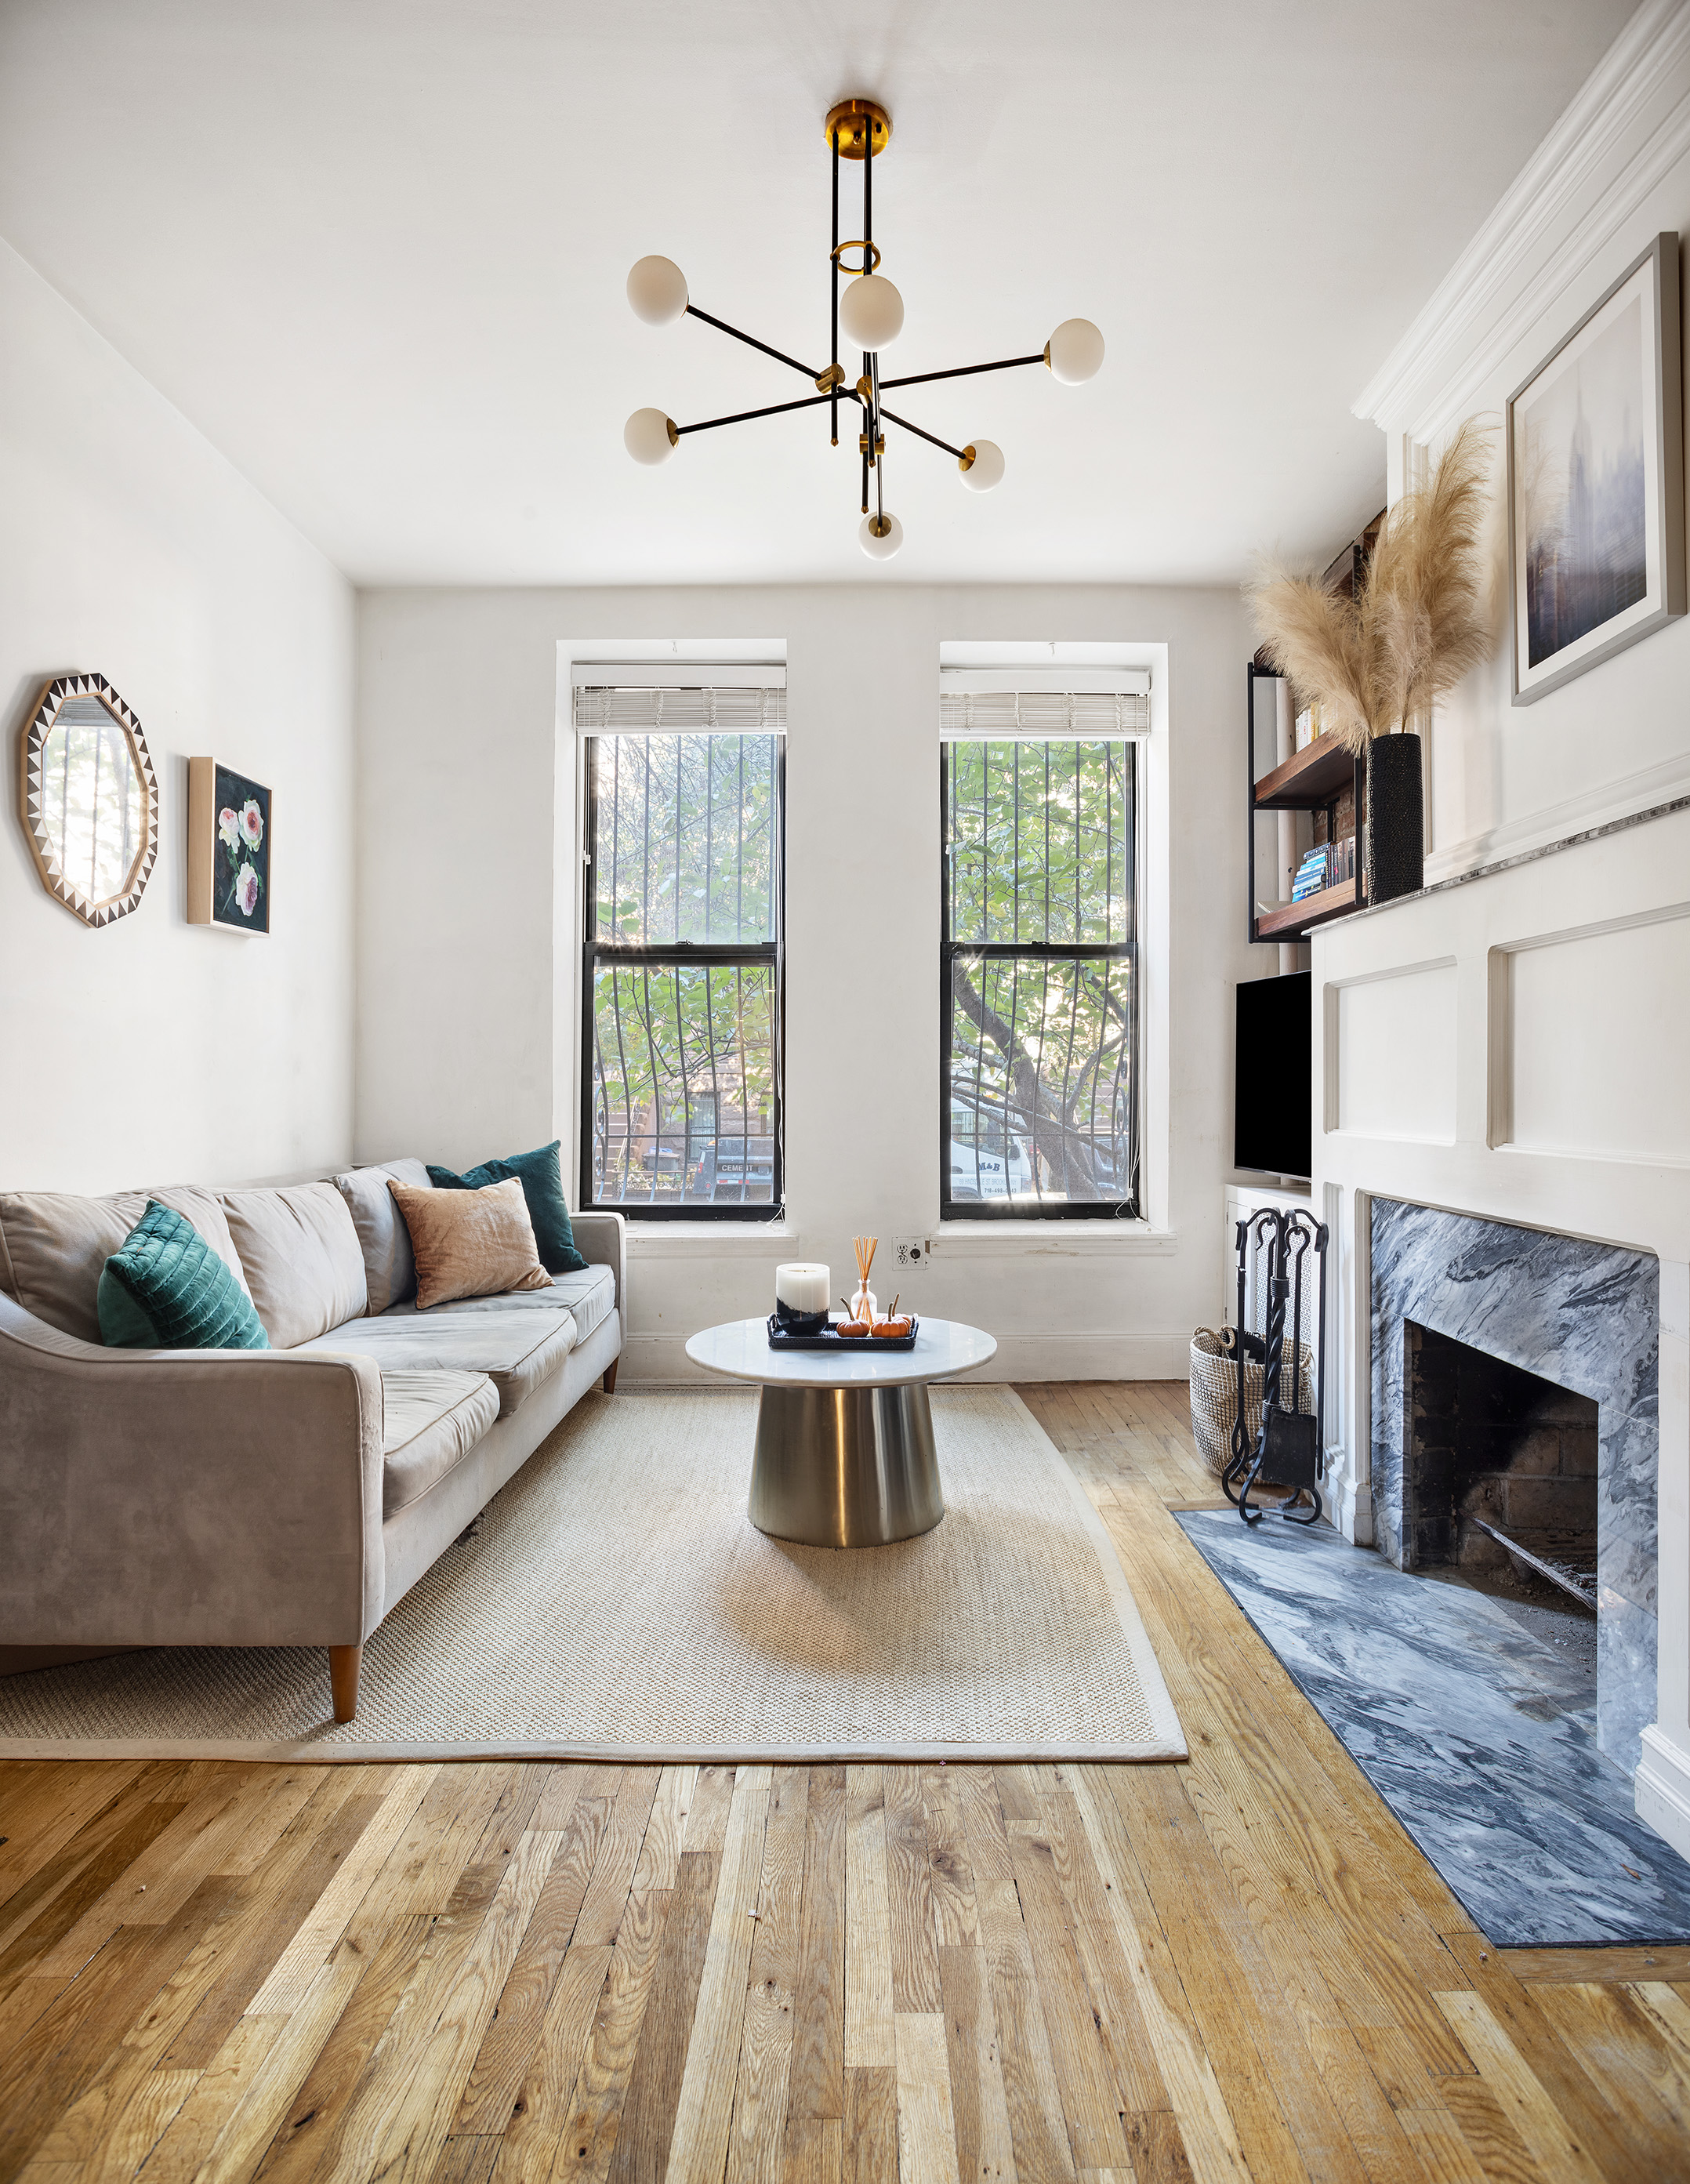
(1595, 481)
(229, 820)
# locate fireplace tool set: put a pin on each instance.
(1287, 1451)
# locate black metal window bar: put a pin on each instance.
(1039, 1092)
(1288, 1448)
(681, 975)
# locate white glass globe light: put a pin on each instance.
(1075, 352)
(986, 470)
(872, 313)
(647, 435)
(657, 290)
(880, 545)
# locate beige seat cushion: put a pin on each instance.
(302, 1263)
(518, 1350)
(470, 1243)
(389, 1267)
(53, 1246)
(590, 1296)
(432, 1420)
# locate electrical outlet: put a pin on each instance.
(914, 1251)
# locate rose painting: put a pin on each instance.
(240, 887)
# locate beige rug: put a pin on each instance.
(615, 1602)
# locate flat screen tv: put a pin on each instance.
(1273, 1076)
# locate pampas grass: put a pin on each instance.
(1422, 619)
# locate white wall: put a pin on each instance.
(152, 1051)
(469, 880)
(1535, 1071)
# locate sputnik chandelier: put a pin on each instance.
(871, 313)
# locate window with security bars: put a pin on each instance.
(1039, 965)
(682, 976)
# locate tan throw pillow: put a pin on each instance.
(470, 1243)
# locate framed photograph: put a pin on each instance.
(229, 828)
(1595, 482)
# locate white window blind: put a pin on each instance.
(986, 715)
(624, 710)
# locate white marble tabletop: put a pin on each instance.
(740, 1349)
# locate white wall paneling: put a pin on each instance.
(1390, 1053)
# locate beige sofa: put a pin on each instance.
(281, 1497)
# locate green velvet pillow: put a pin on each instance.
(541, 1176)
(168, 1289)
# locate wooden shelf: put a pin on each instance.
(1293, 919)
(1313, 778)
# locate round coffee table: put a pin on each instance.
(844, 1454)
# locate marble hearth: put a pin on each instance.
(1584, 1317)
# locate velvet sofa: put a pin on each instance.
(287, 1497)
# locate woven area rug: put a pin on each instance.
(615, 1602)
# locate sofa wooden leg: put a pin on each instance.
(344, 1663)
(611, 1376)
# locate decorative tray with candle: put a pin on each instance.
(799, 1319)
(829, 1337)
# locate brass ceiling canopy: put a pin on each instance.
(868, 311)
(864, 128)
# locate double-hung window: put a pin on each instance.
(681, 970)
(1039, 974)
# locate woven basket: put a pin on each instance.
(1214, 1391)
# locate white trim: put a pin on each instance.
(1057, 1238)
(1081, 681)
(1661, 1789)
(676, 675)
(1572, 199)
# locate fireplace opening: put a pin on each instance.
(1499, 1476)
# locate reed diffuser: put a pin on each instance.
(865, 1304)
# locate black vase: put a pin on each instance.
(1396, 820)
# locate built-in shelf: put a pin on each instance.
(1295, 919)
(1317, 774)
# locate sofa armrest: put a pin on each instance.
(169, 1497)
(601, 1238)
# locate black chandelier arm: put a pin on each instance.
(963, 370)
(773, 410)
(892, 418)
(751, 341)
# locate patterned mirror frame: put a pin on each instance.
(47, 709)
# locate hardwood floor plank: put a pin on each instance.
(665, 1828)
(909, 1890)
(1560, 2155)
(1037, 2126)
(870, 2137)
(978, 2105)
(538, 2113)
(698, 2151)
(927, 2130)
(757, 2142)
(591, 2137)
(1656, 1960)
(813, 2151)
(707, 1821)
(869, 2039)
(951, 1870)
(1644, 2076)
(613, 1873)
(816, 2085)
(641, 2152)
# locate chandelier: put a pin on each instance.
(870, 311)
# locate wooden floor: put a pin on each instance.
(1234, 1967)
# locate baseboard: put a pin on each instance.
(661, 1360)
(1661, 1787)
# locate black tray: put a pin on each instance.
(831, 1339)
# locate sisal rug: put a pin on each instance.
(615, 1602)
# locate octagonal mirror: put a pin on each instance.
(91, 799)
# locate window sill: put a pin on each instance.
(708, 1240)
(1061, 1239)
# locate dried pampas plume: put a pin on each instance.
(1421, 621)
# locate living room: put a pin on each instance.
(844, 1270)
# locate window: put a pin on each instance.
(1039, 969)
(681, 979)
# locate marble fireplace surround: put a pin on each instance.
(1586, 1316)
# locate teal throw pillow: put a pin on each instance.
(168, 1289)
(541, 1176)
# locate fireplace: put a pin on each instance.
(1514, 1392)
(1499, 1466)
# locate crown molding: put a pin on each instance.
(1623, 132)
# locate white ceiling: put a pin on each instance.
(375, 250)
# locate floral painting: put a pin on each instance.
(240, 886)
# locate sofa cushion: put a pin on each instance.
(518, 1350)
(389, 1265)
(432, 1420)
(168, 1289)
(302, 1258)
(54, 1245)
(590, 1297)
(541, 1176)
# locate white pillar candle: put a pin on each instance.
(802, 1287)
